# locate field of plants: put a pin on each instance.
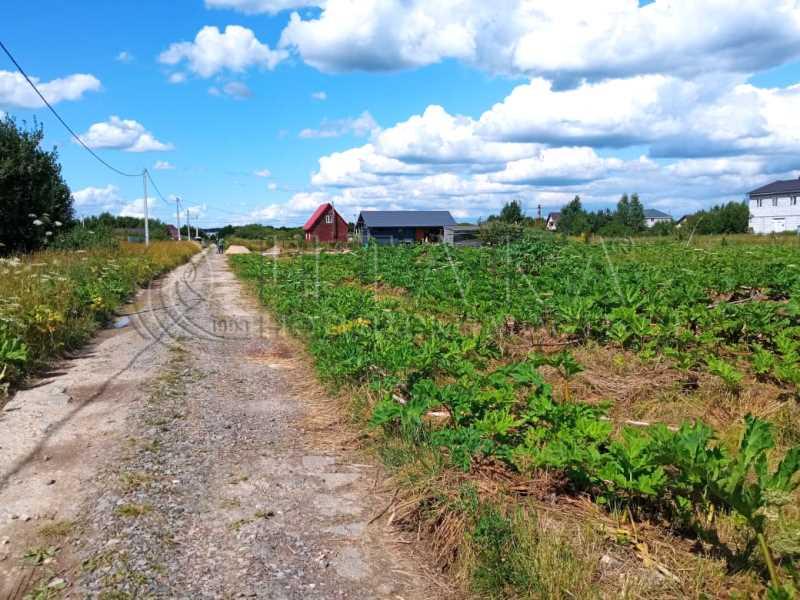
(52, 301)
(481, 360)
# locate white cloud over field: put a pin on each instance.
(564, 41)
(122, 134)
(16, 92)
(213, 51)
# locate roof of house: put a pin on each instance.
(554, 215)
(321, 210)
(784, 186)
(407, 218)
(652, 213)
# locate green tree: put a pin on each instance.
(622, 215)
(733, 217)
(635, 214)
(512, 212)
(35, 202)
(574, 219)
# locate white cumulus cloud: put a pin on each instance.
(97, 199)
(16, 92)
(678, 118)
(212, 51)
(558, 166)
(134, 209)
(436, 136)
(123, 134)
(567, 40)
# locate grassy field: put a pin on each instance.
(568, 419)
(53, 301)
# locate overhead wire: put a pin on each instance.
(62, 121)
(144, 172)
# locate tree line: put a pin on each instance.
(626, 219)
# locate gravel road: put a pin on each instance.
(210, 483)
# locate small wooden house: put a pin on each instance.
(326, 225)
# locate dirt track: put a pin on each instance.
(174, 459)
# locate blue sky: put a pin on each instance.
(261, 109)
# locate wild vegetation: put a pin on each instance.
(35, 201)
(511, 365)
(53, 300)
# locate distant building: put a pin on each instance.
(552, 221)
(391, 227)
(462, 235)
(326, 225)
(774, 208)
(682, 221)
(652, 217)
(172, 232)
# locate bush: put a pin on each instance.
(34, 199)
(500, 232)
(83, 238)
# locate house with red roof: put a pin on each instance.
(326, 225)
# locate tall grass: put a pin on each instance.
(52, 301)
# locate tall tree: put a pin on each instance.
(574, 219)
(622, 214)
(512, 212)
(34, 199)
(635, 214)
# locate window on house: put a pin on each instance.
(794, 200)
(329, 218)
(759, 202)
(774, 202)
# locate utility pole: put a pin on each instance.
(188, 226)
(146, 224)
(178, 215)
(196, 229)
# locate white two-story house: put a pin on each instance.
(775, 207)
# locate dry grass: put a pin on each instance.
(56, 530)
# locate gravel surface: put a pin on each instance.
(218, 490)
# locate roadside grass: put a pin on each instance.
(132, 509)
(377, 325)
(135, 480)
(53, 301)
(56, 530)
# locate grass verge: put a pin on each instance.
(53, 301)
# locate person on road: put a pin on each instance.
(220, 246)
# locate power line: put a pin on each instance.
(144, 172)
(63, 122)
(155, 187)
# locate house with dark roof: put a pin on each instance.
(391, 227)
(774, 207)
(325, 225)
(653, 217)
(552, 221)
